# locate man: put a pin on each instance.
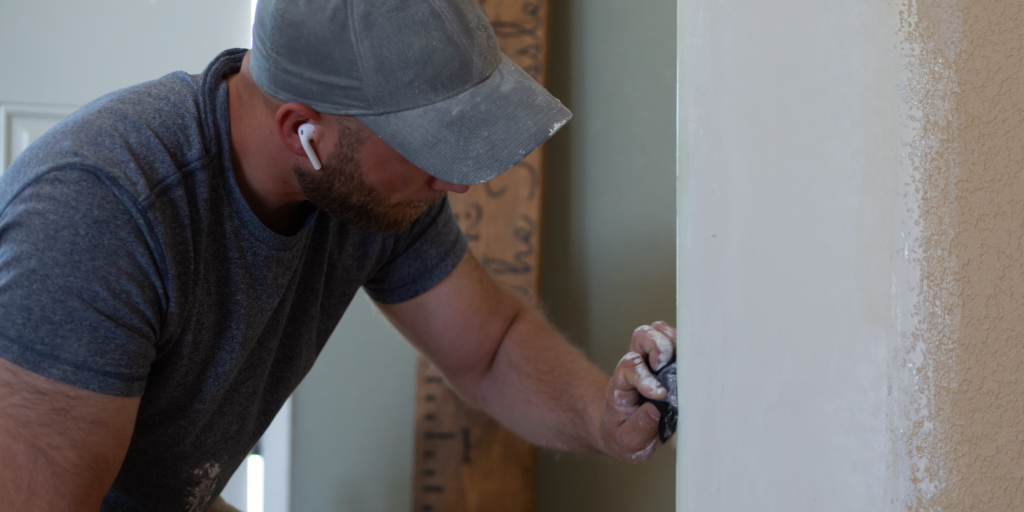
(173, 256)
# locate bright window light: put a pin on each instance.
(252, 21)
(254, 484)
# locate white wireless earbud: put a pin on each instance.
(305, 132)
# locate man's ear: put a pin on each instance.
(290, 117)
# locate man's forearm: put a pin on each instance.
(504, 357)
(543, 388)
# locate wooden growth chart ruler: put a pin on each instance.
(464, 461)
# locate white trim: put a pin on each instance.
(276, 447)
(682, 230)
(276, 450)
(10, 111)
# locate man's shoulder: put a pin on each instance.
(127, 130)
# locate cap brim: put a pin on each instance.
(478, 134)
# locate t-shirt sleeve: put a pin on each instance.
(80, 293)
(419, 257)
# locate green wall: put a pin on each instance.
(609, 219)
(352, 423)
(608, 267)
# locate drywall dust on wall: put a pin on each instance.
(852, 255)
(925, 290)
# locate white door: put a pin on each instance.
(57, 55)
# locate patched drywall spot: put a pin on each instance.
(958, 395)
(925, 284)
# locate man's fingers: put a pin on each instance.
(630, 380)
(655, 342)
(629, 428)
(621, 398)
(632, 374)
(667, 330)
(639, 434)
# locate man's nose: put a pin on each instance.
(437, 184)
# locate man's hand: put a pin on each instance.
(630, 430)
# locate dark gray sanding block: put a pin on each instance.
(669, 407)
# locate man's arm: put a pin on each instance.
(502, 356)
(60, 446)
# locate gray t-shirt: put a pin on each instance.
(131, 265)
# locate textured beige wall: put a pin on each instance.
(967, 71)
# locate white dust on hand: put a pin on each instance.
(646, 452)
(665, 347)
(647, 380)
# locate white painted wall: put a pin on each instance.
(71, 51)
(791, 129)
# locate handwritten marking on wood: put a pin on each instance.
(465, 461)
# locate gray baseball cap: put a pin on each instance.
(425, 75)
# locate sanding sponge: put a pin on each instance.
(669, 407)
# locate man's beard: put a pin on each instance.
(340, 190)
